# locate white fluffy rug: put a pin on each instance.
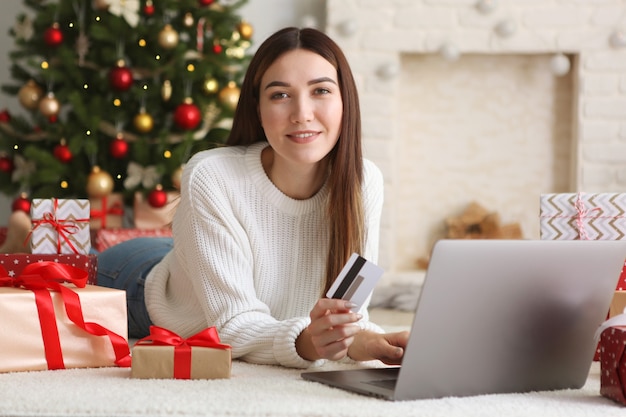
(257, 390)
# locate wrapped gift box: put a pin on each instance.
(585, 216)
(21, 340)
(161, 358)
(107, 212)
(148, 217)
(14, 263)
(613, 363)
(60, 226)
(105, 238)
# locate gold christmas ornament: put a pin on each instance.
(177, 176)
(30, 94)
(210, 86)
(49, 105)
(245, 30)
(229, 95)
(143, 122)
(99, 183)
(168, 37)
(188, 20)
(166, 90)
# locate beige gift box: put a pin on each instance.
(585, 216)
(148, 217)
(151, 361)
(60, 226)
(21, 341)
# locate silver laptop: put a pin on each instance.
(497, 316)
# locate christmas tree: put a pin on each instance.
(118, 94)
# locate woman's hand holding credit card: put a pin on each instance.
(356, 281)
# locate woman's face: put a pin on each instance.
(300, 107)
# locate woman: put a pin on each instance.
(265, 224)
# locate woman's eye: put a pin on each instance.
(278, 96)
(322, 91)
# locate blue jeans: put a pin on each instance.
(125, 267)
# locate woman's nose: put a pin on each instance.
(302, 111)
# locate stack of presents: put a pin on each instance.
(55, 317)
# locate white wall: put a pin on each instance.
(378, 36)
(266, 16)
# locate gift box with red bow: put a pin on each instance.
(60, 226)
(163, 354)
(14, 263)
(105, 238)
(107, 212)
(584, 216)
(52, 320)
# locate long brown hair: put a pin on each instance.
(345, 203)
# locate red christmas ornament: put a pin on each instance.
(148, 9)
(62, 153)
(187, 115)
(53, 36)
(157, 197)
(205, 2)
(5, 116)
(118, 148)
(217, 48)
(6, 164)
(21, 203)
(53, 119)
(120, 78)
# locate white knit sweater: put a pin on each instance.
(247, 259)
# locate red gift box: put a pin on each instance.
(613, 363)
(14, 263)
(105, 238)
(53, 320)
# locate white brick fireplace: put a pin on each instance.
(464, 100)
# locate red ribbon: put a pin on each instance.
(182, 347)
(63, 227)
(116, 210)
(582, 213)
(43, 277)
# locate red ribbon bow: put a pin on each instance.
(43, 277)
(182, 347)
(63, 227)
(116, 209)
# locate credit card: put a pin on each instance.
(356, 281)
